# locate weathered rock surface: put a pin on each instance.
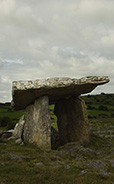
(72, 120)
(6, 134)
(97, 164)
(26, 92)
(37, 128)
(18, 130)
(55, 141)
(76, 150)
(36, 96)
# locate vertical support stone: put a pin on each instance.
(72, 120)
(37, 129)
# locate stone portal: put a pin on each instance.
(36, 96)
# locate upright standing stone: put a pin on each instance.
(18, 130)
(72, 120)
(37, 129)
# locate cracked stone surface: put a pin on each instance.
(37, 128)
(25, 93)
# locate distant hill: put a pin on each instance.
(100, 106)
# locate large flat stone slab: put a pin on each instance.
(25, 93)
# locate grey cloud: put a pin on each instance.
(56, 38)
(0, 62)
(5, 89)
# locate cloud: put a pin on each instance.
(18, 61)
(55, 38)
(0, 62)
(5, 94)
(5, 79)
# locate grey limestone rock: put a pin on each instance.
(6, 134)
(72, 120)
(37, 129)
(97, 164)
(26, 92)
(39, 164)
(18, 130)
(36, 96)
(83, 172)
(18, 141)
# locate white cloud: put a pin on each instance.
(55, 38)
(18, 61)
(0, 62)
(5, 79)
(6, 7)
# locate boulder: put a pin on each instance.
(72, 120)
(6, 134)
(37, 128)
(18, 130)
(26, 92)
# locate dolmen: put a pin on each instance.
(36, 96)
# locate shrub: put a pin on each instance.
(90, 107)
(102, 93)
(4, 121)
(112, 114)
(11, 125)
(89, 96)
(103, 115)
(103, 108)
(89, 117)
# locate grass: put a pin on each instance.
(98, 106)
(70, 164)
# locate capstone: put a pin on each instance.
(36, 96)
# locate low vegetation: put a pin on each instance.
(72, 163)
(98, 106)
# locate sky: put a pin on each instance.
(55, 38)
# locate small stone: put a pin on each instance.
(104, 173)
(16, 157)
(11, 138)
(3, 164)
(39, 164)
(18, 141)
(96, 164)
(6, 135)
(112, 162)
(84, 172)
(22, 144)
(67, 167)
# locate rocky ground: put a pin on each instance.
(72, 163)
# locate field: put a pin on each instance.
(72, 163)
(98, 106)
